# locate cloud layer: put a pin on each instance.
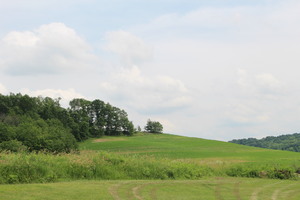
(50, 49)
(147, 95)
(213, 70)
(130, 49)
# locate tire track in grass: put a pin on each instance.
(153, 193)
(291, 193)
(236, 190)
(255, 193)
(276, 192)
(218, 188)
(136, 190)
(113, 190)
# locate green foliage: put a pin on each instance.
(12, 146)
(283, 142)
(96, 118)
(29, 168)
(39, 167)
(153, 127)
(6, 132)
(48, 136)
(41, 124)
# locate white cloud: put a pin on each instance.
(131, 49)
(52, 48)
(268, 82)
(263, 85)
(247, 114)
(159, 94)
(260, 22)
(65, 95)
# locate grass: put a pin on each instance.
(190, 149)
(149, 157)
(152, 167)
(206, 189)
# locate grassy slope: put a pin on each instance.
(179, 147)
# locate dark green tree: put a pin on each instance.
(153, 127)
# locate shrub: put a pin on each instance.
(12, 146)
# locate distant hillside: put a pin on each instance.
(290, 142)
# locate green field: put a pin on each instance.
(205, 189)
(187, 148)
(150, 166)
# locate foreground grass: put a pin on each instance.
(206, 189)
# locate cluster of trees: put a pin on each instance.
(290, 142)
(153, 127)
(41, 124)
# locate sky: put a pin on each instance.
(218, 69)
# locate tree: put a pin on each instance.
(153, 127)
(41, 124)
(138, 129)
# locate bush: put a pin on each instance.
(281, 174)
(12, 146)
(48, 136)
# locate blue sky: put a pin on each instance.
(219, 69)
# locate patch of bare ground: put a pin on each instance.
(133, 152)
(213, 162)
(108, 140)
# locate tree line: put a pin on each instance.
(289, 142)
(41, 124)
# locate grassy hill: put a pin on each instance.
(187, 148)
(150, 157)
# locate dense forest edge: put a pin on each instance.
(289, 142)
(41, 124)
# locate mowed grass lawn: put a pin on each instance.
(205, 189)
(187, 148)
